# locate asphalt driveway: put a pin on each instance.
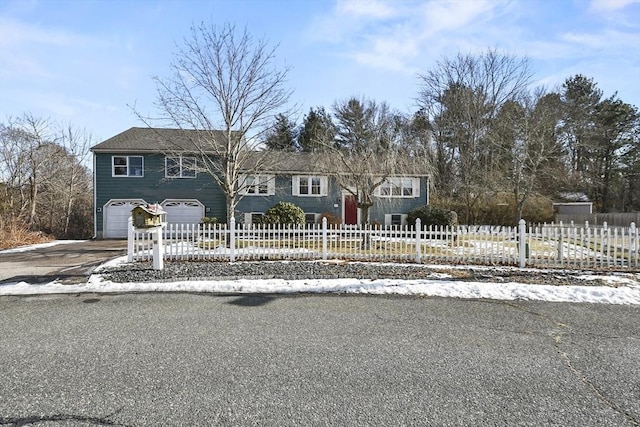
(69, 263)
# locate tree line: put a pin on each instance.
(497, 150)
(44, 184)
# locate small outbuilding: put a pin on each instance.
(148, 216)
(573, 208)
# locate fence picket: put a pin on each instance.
(548, 245)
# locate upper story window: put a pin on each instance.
(258, 185)
(180, 167)
(127, 166)
(311, 186)
(399, 187)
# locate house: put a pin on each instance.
(143, 165)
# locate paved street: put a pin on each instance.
(196, 359)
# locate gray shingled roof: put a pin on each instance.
(292, 162)
(156, 140)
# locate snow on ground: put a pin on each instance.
(624, 290)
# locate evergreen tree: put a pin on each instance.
(282, 136)
(317, 131)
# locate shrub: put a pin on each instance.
(284, 213)
(332, 219)
(432, 215)
(209, 220)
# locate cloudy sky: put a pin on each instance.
(87, 63)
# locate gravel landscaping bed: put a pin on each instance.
(292, 270)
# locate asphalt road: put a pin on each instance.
(196, 359)
(69, 263)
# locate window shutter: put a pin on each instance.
(295, 185)
(242, 184)
(247, 218)
(271, 185)
(416, 187)
(387, 219)
(324, 186)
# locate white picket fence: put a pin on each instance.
(554, 245)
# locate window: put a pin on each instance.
(399, 187)
(395, 220)
(259, 185)
(180, 167)
(253, 217)
(312, 186)
(311, 218)
(127, 166)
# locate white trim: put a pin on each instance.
(105, 221)
(388, 219)
(113, 166)
(316, 217)
(181, 167)
(415, 188)
(166, 203)
(271, 184)
(295, 185)
(248, 217)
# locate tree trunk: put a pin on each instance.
(364, 221)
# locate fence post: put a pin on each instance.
(324, 238)
(633, 245)
(418, 240)
(522, 231)
(232, 239)
(130, 240)
(158, 252)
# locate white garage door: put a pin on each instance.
(183, 211)
(115, 217)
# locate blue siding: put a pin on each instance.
(323, 204)
(153, 186)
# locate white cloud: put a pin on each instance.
(451, 15)
(15, 34)
(365, 8)
(603, 39)
(388, 35)
(597, 6)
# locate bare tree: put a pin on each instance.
(531, 154)
(223, 80)
(24, 141)
(367, 150)
(45, 185)
(461, 96)
(75, 188)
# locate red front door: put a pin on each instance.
(350, 210)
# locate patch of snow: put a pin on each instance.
(628, 291)
(624, 289)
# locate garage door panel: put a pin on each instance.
(183, 211)
(116, 215)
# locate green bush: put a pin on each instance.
(284, 213)
(432, 215)
(209, 220)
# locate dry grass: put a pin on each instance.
(14, 234)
